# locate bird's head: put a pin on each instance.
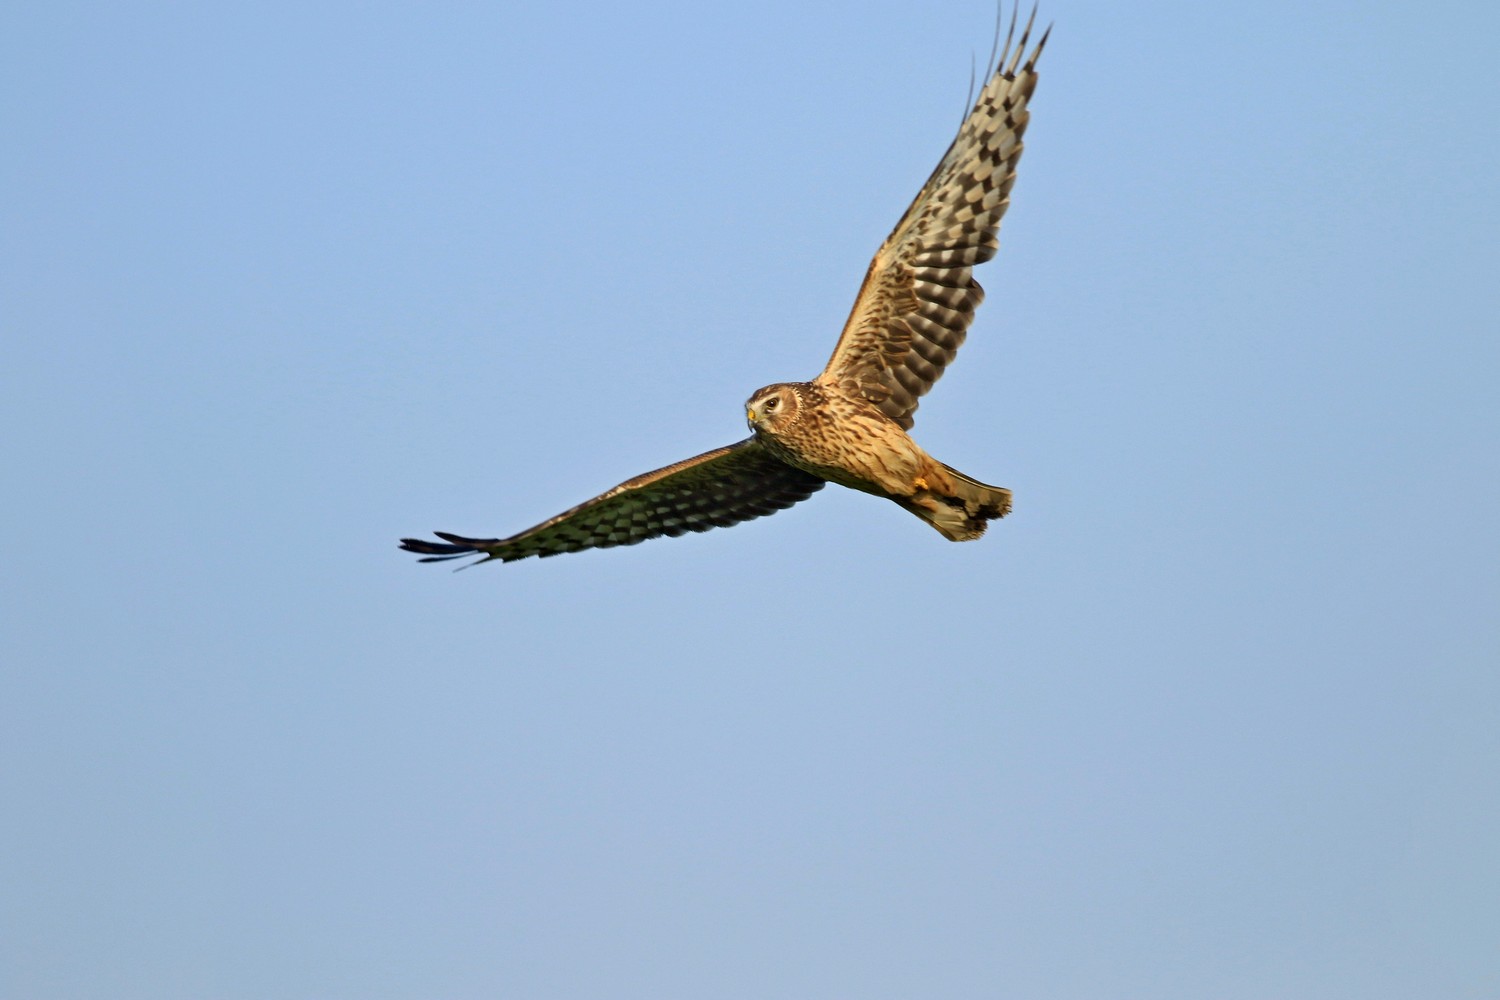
(774, 408)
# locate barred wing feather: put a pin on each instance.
(919, 294)
(713, 490)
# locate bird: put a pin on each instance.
(850, 424)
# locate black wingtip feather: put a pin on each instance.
(434, 548)
(470, 543)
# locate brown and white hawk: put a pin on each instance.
(848, 425)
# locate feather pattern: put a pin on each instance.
(713, 490)
(919, 294)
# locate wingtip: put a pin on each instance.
(426, 548)
(1041, 43)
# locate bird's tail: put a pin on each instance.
(961, 511)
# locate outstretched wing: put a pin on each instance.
(713, 490)
(919, 294)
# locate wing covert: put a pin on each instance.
(919, 294)
(713, 490)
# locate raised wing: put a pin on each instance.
(713, 490)
(919, 295)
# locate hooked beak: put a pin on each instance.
(750, 414)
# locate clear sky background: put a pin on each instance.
(1215, 714)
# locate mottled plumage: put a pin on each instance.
(847, 426)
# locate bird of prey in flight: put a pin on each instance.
(849, 425)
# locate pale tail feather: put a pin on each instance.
(963, 516)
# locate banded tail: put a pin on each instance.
(962, 512)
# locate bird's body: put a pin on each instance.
(850, 424)
(831, 435)
(848, 440)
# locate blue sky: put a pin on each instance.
(1213, 714)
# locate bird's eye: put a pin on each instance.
(771, 404)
